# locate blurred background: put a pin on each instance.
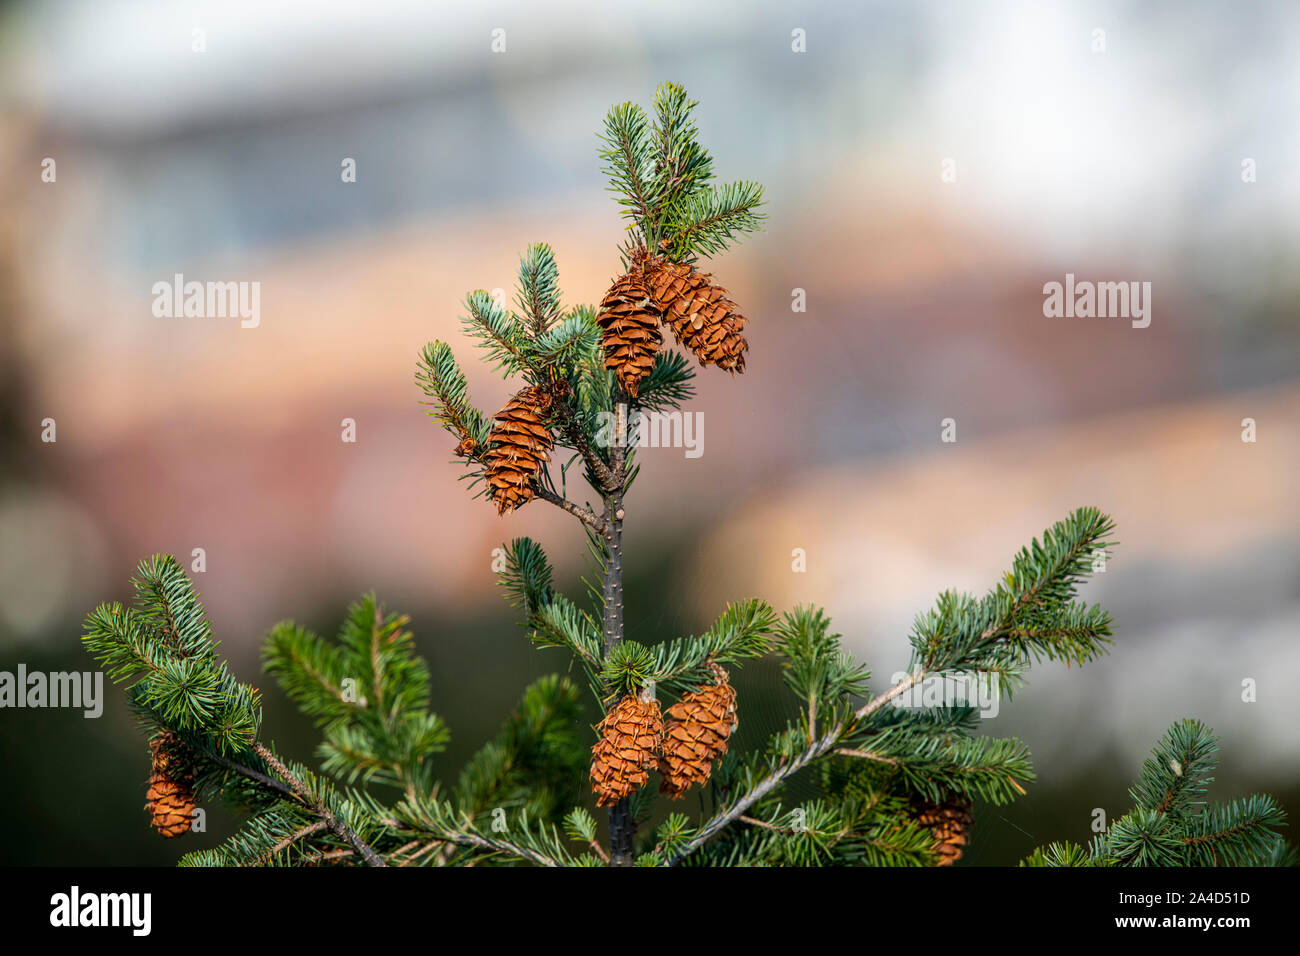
(1113, 155)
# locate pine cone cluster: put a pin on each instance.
(626, 751)
(170, 798)
(635, 738)
(656, 291)
(518, 446)
(695, 734)
(949, 821)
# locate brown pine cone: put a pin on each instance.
(949, 821)
(699, 312)
(518, 447)
(631, 335)
(170, 797)
(170, 805)
(696, 733)
(629, 741)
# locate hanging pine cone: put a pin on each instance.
(695, 734)
(622, 758)
(631, 335)
(699, 312)
(170, 797)
(518, 446)
(949, 821)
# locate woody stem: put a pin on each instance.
(622, 826)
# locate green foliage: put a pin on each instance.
(743, 632)
(163, 651)
(861, 763)
(708, 222)
(518, 799)
(444, 382)
(662, 177)
(503, 338)
(1177, 773)
(670, 384)
(1029, 616)
(816, 668)
(628, 153)
(368, 690)
(573, 340)
(539, 288)
(629, 667)
(447, 836)
(536, 763)
(821, 832)
(527, 576)
(291, 832)
(1170, 825)
(683, 167)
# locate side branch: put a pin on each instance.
(463, 838)
(592, 520)
(341, 830)
(252, 774)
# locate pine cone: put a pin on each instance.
(518, 446)
(699, 312)
(949, 821)
(622, 758)
(170, 797)
(695, 734)
(631, 330)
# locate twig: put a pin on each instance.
(865, 755)
(902, 687)
(593, 521)
(294, 837)
(754, 821)
(251, 774)
(463, 838)
(318, 807)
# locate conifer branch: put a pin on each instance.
(1170, 826)
(962, 633)
(629, 164)
(707, 222)
(444, 383)
(539, 291)
(319, 807)
(255, 775)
